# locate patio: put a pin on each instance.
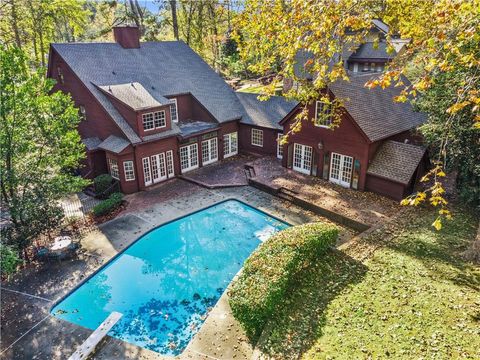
(29, 331)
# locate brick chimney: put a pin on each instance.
(127, 36)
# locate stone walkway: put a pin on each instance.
(30, 332)
(365, 207)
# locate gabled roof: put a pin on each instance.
(163, 68)
(91, 143)
(396, 161)
(134, 95)
(368, 51)
(114, 144)
(264, 113)
(374, 110)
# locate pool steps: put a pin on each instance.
(89, 345)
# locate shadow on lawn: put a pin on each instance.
(301, 319)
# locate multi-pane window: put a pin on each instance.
(170, 168)
(189, 157)
(230, 144)
(129, 171)
(257, 137)
(159, 119)
(174, 111)
(323, 114)
(154, 120)
(113, 167)
(60, 75)
(147, 175)
(209, 151)
(148, 121)
(279, 146)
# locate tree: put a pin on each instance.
(274, 32)
(40, 148)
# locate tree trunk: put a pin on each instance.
(15, 24)
(173, 6)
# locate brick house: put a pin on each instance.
(154, 110)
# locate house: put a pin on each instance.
(372, 149)
(154, 110)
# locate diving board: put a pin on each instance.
(88, 347)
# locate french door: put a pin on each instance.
(302, 158)
(341, 169)
(158, 167)
(230, 144)
(189, 157)
(209, 151)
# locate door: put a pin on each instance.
(209, 151)
(170, 167)
(189, 157)
(230, 144)
(302, 158)
(341, 169)
(159, 171)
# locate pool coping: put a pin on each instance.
(81, 283)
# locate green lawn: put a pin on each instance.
(414, 297)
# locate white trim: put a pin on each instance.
(153, 113)
(125, 171)
(170, 164)
(228, 144)
(147, 172)
(113, 164)
(260, 132)
(211, 145)
(316, 116)
(189, 153)
(279, 147)
(342, 165)
(304, 157)
(176, 110)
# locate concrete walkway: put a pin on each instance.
(29, 332)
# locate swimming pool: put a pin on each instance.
(165, 283)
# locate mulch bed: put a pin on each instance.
(104, 218)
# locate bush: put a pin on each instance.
(102, 183)
(107, 206)
(9, 260)
(269, 271)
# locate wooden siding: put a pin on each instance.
(385, 187)
(269, 140)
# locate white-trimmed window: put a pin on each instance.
(323, 116)
(159, 119)
(279, 146)
(257, 137)
(113, 167)
(154, 120)
(147, 174)
(174, 110)
(148, 122)
(230, 144)
(129, 170)
(366, 67)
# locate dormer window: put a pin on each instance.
(174, 111)
(323, 114)
(154, 120)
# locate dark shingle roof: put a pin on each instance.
(374, 110)
(91, 143)
(266, 114)
(368, 51)
(396, 161)
(163, 68)
(188, 128)
(134, 95)
(114, 144)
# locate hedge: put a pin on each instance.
(268, 272)
(108, 205)
(102, 183)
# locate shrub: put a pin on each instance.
(102, 183)
(9, 259)
(108, 205)
(269, 271)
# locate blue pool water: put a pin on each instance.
(167, 281)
